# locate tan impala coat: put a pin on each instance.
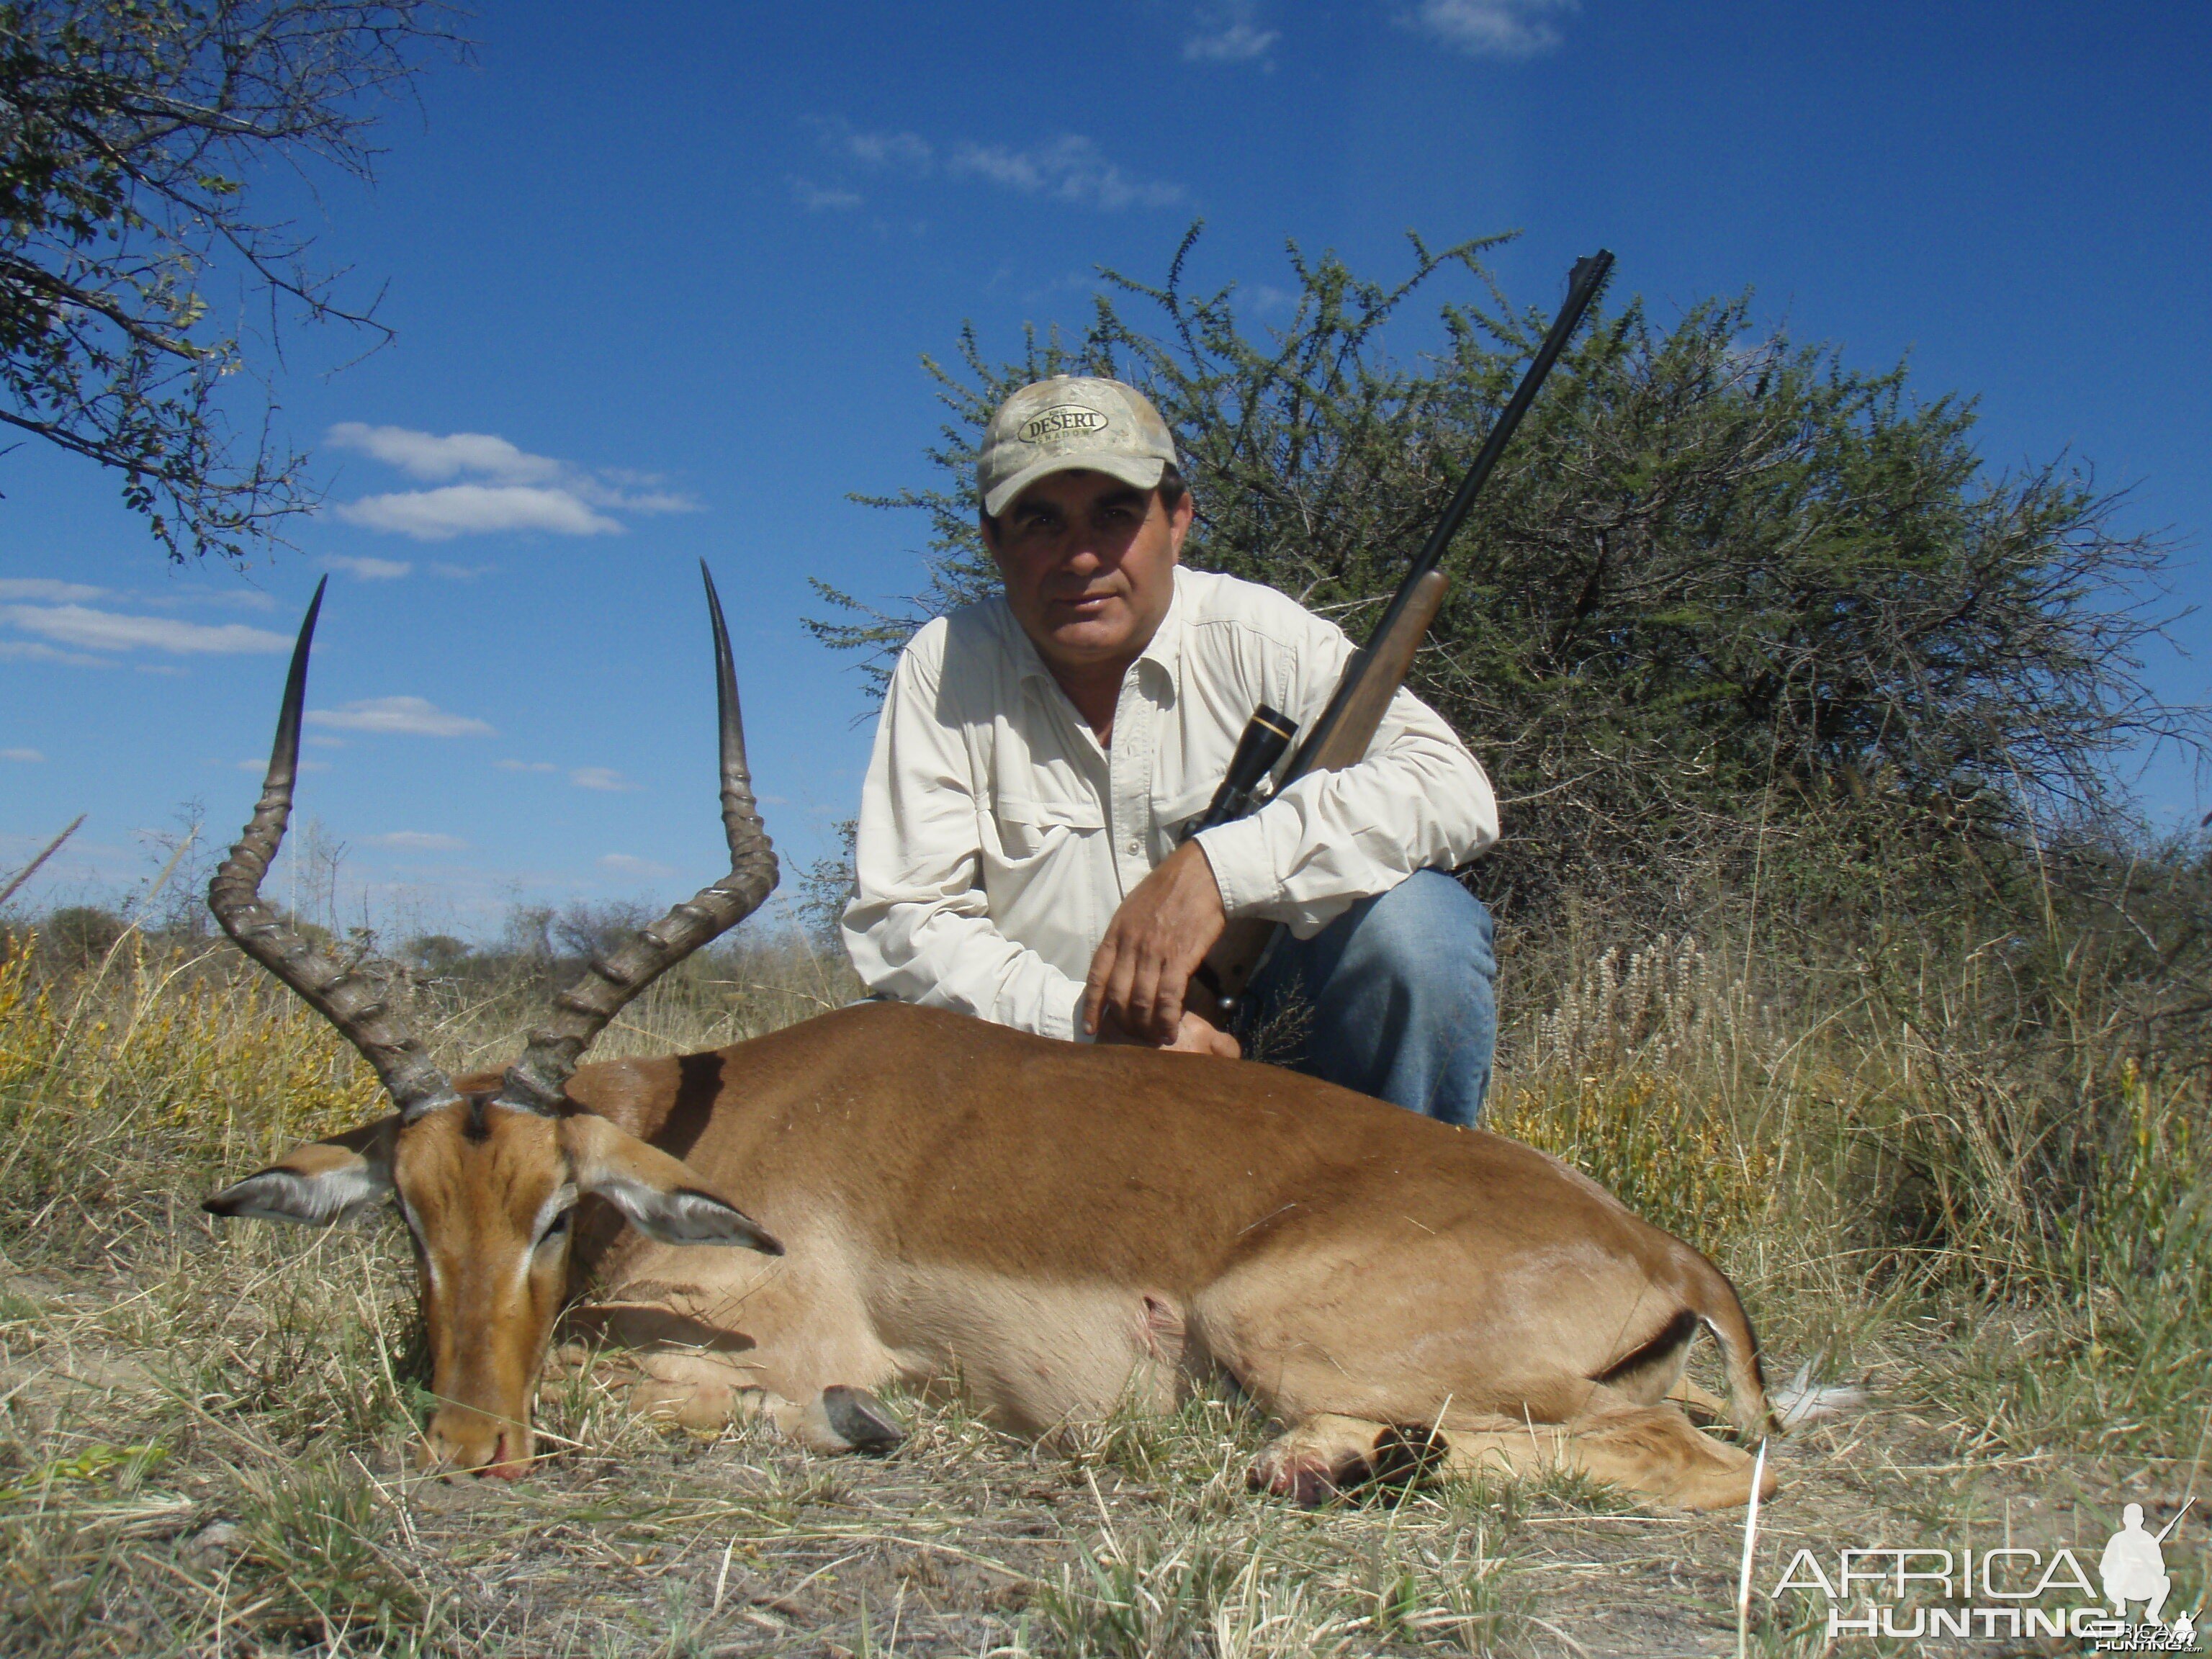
(1066, 1229)
(895, 1193)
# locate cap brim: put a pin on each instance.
(1140, 471)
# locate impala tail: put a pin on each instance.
(1752, 1410)
(1720, 1310)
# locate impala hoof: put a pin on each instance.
(1403, 1454)
(861, 1419)
(1308, 1482)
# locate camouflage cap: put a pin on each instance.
(1069, 422)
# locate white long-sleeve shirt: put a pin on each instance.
(998, 836)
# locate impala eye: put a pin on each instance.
(554, 1228)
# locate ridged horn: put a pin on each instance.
(342, 993)
(537, 1081)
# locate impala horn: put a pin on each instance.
(536, 1083)
(343, 994)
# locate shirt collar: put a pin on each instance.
(1166, 649)
(1031, 666)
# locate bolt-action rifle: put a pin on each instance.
(1340, 736)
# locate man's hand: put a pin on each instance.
(1155, 942)
(1195, 1034)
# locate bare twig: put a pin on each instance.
(45, 852)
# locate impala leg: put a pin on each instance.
(709, 1360)
(679, 1369)
(1315, 1459)
(1667, 1380)
(1652, 1452)
(1703, 1405)
(702, 1404)
(839, 1418)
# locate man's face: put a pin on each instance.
(1089, 564)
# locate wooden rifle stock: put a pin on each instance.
(1375, 673)
(1373, 676)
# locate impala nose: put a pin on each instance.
(510, 1459)
(460, 1442)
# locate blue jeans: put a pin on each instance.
(1396, 998)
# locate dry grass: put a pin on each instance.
(204, 1445)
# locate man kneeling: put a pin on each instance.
(1020, 853)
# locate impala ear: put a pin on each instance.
(660, 1196)
(345, 1178)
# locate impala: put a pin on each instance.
(891, 1193)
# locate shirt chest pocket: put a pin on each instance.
(1173, 813)
(1024, 827)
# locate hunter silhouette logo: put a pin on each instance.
(2133, 1566)
(1063, 420)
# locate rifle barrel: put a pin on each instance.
(1584, 282)
(2176, 1522)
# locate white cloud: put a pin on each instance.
(246, 599)
(624, 864)
(507, 489)
(599, 777)
(32, 651)
(1229, 32)
(432, 456)
(525, 766)
(31, 754)
(1491, 29)
(415, 717)
(108, 630)
(1068, 169)
(45, 588)
(420, 840)
(822, 198)
(907, 150)
(640, 500)
(370, 570)
(1239, 43)
(437, 515)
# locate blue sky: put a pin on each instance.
(662, 276)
